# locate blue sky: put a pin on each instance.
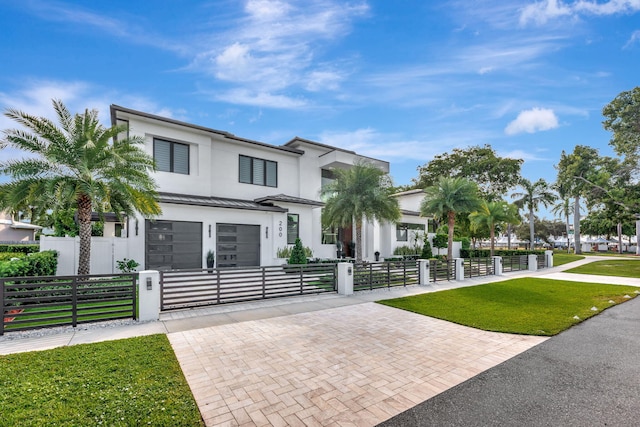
(396, 80)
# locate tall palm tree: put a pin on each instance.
(491, 214)
(360, 192)
(533, 195)
(564, 209)
(82, 163)
(448, 197)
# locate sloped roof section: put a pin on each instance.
(217, 202)
(283, 198)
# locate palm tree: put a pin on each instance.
(448, 197)
(564, 209)
(490, 214)
(362, 191)
(532, 196)
(81, 163)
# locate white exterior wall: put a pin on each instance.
(105, 251)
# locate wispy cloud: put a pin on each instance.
(635, 38)
(541, 12)
(531, 121)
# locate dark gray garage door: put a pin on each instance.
(173, 245)
(238, 245)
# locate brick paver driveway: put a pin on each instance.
(355, 365)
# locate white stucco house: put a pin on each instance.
(243, 199)
(16, 231)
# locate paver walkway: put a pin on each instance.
(356, 365)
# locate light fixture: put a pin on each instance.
(266, 232)
(136, 227)
(209, 230)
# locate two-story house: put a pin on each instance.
(241, 199)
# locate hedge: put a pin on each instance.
(35, 264)
(25, 249)
(485, 253)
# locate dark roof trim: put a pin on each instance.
(308, 141)
(217, 202)
(410, 213)
(283, 198)
(115, 108)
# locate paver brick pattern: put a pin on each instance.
(350, 366)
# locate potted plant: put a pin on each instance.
(211, 260)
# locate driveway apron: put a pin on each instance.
(355, 365)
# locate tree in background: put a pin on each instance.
(494, 175)
(622, 117)
(80, 164)
(448, 197)
(360, 192)
(489, 215)
(532, 196)
(563, 209)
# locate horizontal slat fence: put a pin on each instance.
(515, 263)
(48, 301)
(201, 287)
(442, 270)
(477, 267)
(373, 275)
(542, 262)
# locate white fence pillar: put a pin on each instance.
(345, 278)
(423, 271)
(497, 265)
(459, 268)
(149, 295)
(548, 256)
(533, 262)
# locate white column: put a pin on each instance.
(497, 265)
(548, 256)
(459, 268)
(423, 271)
(345, 278)
(533, 262)
(149, 295)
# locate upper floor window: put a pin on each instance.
(258, 171)
(402, 230)
(171, 156)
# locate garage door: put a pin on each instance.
(172, 245)
(238, 245)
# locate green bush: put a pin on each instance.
(404, 250)
(36, 264)
(465, 243)
(24, 249)
(298, 255)
(426, 250)
(440, 241)
(6, 256)
(286, 252)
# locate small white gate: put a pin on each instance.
(105, 251)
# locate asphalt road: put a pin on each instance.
(588, 375)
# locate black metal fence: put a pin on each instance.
(373, 275)
(202, 287)
(476, 267)
(542, 261)
(515, 263)
(442, 270)
(48, 301)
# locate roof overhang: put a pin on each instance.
(217, 202)
(283, 198)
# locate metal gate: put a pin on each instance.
(202, 287)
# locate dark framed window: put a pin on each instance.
(258, 171)
(171, 156)
(402, 230)
(293, 228)
(330, 235)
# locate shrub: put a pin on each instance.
(36, 264)
(127, 265)
(440, 241)
(24, 249)
(426, 250)
(298, 255)
(404, 250)
(286, 252)
(485, 253)
(465, 242)
(6, 256)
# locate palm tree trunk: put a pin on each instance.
(619, 238)
(84, 222)
(567, 224)
(531, 229)
(509, 237)
(576, 225)
(358, 240)
(492, 236)
(451, 222)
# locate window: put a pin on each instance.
(402, 230)
(171, 156)
(258, 171)
(293, 227)
(329, 235)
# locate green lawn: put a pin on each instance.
(131, 382)
(565, 258)
(610, 267)
(529, 306)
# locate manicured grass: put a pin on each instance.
(131, 382)
(528, 306)
(565, 258)
(610, 267)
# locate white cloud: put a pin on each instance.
(521, 154)
(533, 120)
(259, 99)
(635, 37)
(546, 10)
